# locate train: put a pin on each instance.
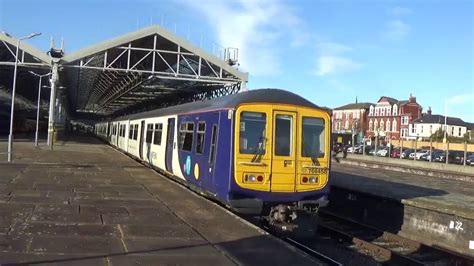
(263, 152)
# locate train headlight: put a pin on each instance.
(313, 179)
(252, 178)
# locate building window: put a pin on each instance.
(201, 131)
(347, 115)
(382, 111)
(347, 125)
(405, 120)
(376, 111)
(431, 129)
(394, 125)
(452, 131)
(186, 131)
(158, 134)
(389, 110)
(421, 129)
(395, 109)
(376, 125)
(149, 133)
(388, 125)
(412, 129)
(459, 128)
(382, 125)
(371, 110)
(371, 125)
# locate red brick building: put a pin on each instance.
(349, 120)
(389, 118)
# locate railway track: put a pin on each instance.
(384, 247)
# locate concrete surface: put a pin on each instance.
(433, 210)
(87, 204)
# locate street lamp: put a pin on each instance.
(38, 107)
(10, 136)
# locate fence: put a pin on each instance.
(436, 145)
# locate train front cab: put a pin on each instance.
(281, 155)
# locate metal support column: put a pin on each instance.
(10, 136)
(52, 102)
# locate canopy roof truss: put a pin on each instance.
(150, 67)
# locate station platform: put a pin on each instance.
(87, 204)
(433, 210)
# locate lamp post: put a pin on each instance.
(38, 107)
(10, 136)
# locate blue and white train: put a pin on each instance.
(264, 152)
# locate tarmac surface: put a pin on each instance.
(87, 204)
(445, 195)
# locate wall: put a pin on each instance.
(436, 145)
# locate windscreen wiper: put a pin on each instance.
(258, 150)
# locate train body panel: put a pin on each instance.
(245, 152)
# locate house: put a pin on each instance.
(425, 126)
(349, 120)
(389, 118)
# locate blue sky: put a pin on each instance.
(327, 51)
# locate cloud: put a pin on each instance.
(332, 58)
(332, 64)
(401, 11)
(396, 30)
(260, 29)
(332, 48)
(461, 99)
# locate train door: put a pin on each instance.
(284, 151)
(141, 139)
(170, 145)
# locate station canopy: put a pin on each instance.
(147, 69)
(29, 59)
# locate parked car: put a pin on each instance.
(470, 160)
(439, 157)
(354, 149)
(456, 157)
(406, 153)
(368, 149)
(427, 156)
(383, 152)
(420, 153)
(395, 153)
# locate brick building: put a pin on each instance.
(349, 120)
(390, 118)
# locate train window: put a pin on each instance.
(158, 134)
(313, 143)
(135, 136)
(201, 131)
(149, 133)
(130, 131)
(252, 132)
(186, 131)
(213, 143)
(283, 135)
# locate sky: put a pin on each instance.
(330, 52)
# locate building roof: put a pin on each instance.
(389, 99)
(275, 96)
(439, 119)
(352, 106)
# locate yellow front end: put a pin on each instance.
(281, 148)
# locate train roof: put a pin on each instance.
(276, 96)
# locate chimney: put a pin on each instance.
(429, 110)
